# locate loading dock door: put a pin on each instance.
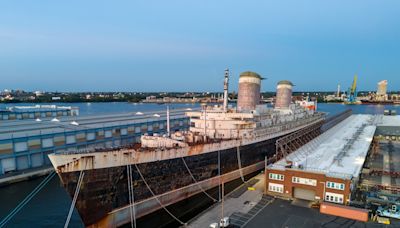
(305, 194)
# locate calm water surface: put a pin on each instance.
(50, 206)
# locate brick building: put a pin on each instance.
(326, 169)
(312, 186)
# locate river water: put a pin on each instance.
(50, 207)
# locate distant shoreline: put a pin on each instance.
(144, 102)
(81, 101)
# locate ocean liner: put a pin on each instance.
(223, 144)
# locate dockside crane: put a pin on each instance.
(352, 92)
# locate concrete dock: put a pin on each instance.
(25, 144)
(240, 201)
(25, 176)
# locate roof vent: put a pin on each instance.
(75, 123)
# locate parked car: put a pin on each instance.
(214, 225)
(392, 212)
(224, 222)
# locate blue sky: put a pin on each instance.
(186, 45)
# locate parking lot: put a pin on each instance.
(282, 214)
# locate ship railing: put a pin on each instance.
(287, 126)
(218, 144)
(212, 145)
(87, 150)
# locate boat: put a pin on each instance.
(224, 143)
(308, 104)
(377, 102)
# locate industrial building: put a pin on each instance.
(328, 167)
(37, 111)
(381, 93)
(381, 172)
(382, 87)
(25, 144)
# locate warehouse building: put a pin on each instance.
(328, 167)
(389, 128)
(381, 174)
(25, 144)
(37, 112)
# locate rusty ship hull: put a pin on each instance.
(222, 145)
(103, 198)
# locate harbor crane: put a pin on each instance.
(352, 92)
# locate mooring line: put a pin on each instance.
(27, 199)
(77, 190)
(198, 184)
(131, 195)
(240, 164)
(154, 195)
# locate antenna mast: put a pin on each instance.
(168, 123)
(226, 87)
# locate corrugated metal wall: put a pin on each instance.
(24, 153)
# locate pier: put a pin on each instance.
(357, 149)
(25, 144)
(239, 203)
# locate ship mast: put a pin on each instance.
(226, 86)
(168, 123)
(205, 123)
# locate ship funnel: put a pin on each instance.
(283, 94)
(249, 91)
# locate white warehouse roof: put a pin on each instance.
(393, 121)
(339, 152)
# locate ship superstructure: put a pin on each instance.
(223, 144)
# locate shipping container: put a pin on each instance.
(344, 211)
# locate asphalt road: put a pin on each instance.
(282, 214)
